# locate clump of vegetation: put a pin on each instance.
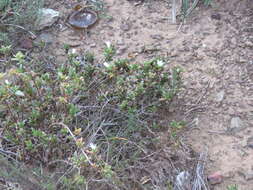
(232, 187)
(189, 5)
(93, 119)
(15, 14)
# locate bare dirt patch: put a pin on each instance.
(216, 54)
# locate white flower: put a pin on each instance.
(160, 63)
(7, 82)
(93, 146)
(108, 44)
(19, 93)
(73, 51)
(106, 64)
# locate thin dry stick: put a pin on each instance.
(4, 152)
(17, 26)
(192, 7)
(174, 10)
(70, 132)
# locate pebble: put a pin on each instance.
(93, 45)
(122, 50)
(250, 142)
(216, 16)
(237, 125)
(125, 27)
(220, 96)
(120, 42)
(215, 178)
(156, 37)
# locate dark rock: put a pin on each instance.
(26, 43)
(216, 16)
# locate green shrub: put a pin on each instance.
(189, 5)
(77, 110)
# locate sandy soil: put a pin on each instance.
(216, 53)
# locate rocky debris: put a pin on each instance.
(236, 125)
(250, 142)
(215, 178)
(47, 18)
(220, 96)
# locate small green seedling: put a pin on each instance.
(232, 187)
(109, 51)
(5, 50)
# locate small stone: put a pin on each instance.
(237, 125)
(122, 50)
(120, 42)
(156, 37)
(215, 178)
(249, 44)
(250, 142)
(125, 27)
(220, 96)
(93, 45)
(47, 18)
(216, 16)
